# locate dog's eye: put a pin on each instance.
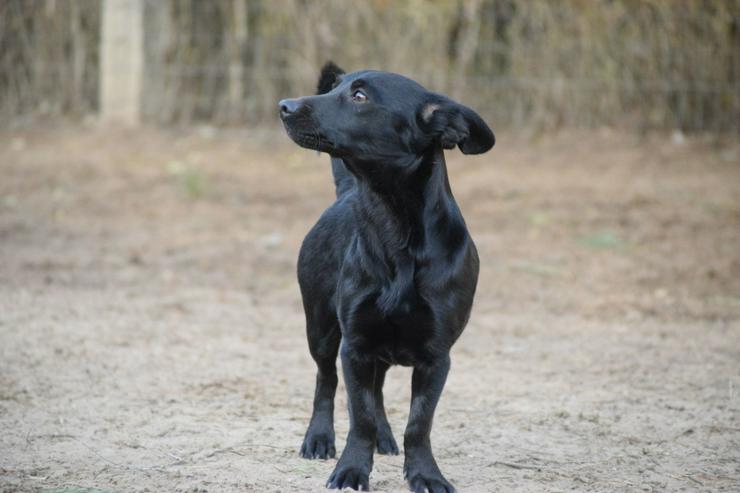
(359, 96)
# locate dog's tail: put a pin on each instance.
(343, 179)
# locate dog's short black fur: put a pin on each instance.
(389, 271)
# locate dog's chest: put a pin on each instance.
(397, 345)
(406, 314)
(399, 339)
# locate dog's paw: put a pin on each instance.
(427, 484)
(349, 476)
(385, 443)
(427, 479)
(318, 446)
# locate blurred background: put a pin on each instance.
(152, 209)
(641, 64)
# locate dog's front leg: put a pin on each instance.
(356, 462)
(420, 468)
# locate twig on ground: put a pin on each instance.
(223, 451)
(179, 460)
(145, 469)
(267, 446)
(694, 480)
(515, 466)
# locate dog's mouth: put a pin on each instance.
(313, 141)
(308, 138)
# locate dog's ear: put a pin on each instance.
(456, 125)
(329, 78)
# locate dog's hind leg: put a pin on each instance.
(323, 341)
(385, 442)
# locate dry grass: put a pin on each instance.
(537, 64)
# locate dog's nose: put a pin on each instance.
(288, 106)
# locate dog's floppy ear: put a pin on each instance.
(329, 78)
(456, 125)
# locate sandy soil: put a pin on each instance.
(151, 333)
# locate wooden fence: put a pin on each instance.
(634, 63)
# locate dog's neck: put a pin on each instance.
(397, 211)
(394, 207)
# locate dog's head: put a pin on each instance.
(375, 116)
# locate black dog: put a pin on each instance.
(389, 272)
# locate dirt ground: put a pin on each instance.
(152, 339)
